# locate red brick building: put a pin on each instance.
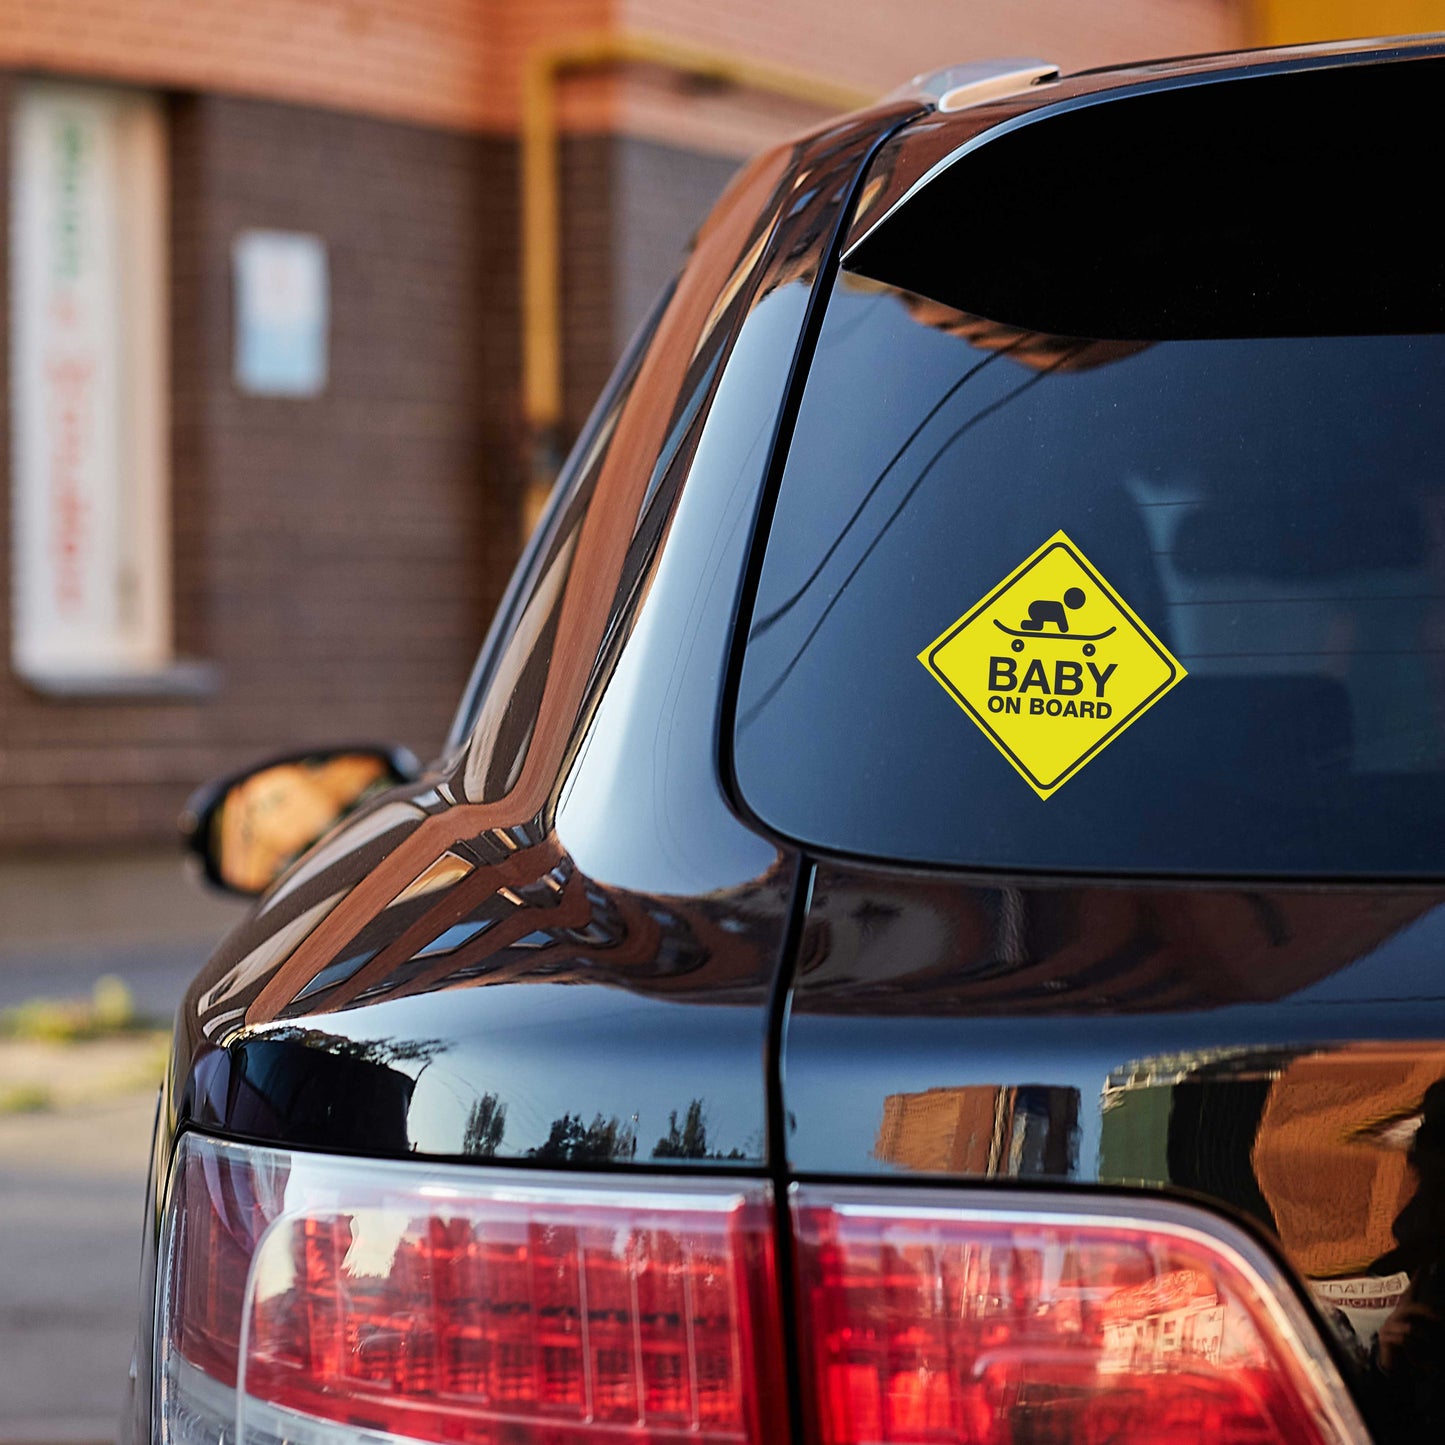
(318, 496)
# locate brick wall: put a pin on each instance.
(449, 63)
(661, 195)
(458, 63)
(877, 47)
(629, 208)
(586, 190)
(418, 59)
(337, 559)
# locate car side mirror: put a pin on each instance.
(247, 828)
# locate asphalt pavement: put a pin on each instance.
(72, 1177)
(65, 920)
(71, 1195)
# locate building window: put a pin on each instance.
(90, 544)
(281, 313)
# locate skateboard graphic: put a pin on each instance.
(1046, 610)
(1087, 638)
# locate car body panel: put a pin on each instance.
(565, 916)
(564, 945)
(577, 966)
(1274, 1051)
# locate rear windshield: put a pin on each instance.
(1260, 524)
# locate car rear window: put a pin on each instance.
(1271, 511)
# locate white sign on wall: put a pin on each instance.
(90, 447)
(281, 313)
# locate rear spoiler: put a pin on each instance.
(1281, 200)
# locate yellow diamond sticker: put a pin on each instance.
(1053, 665)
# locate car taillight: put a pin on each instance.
(328, 1301)
(1015, 1320)
(308, 1298)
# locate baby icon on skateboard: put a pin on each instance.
(1046, 610)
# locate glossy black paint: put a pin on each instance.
(565, 943)
(508, 1046)
(560, 945)
(1278, 1052)
(634, 917)
(910, 982)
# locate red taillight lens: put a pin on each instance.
(933, 1322)
(325, 1301)
(462, 1305)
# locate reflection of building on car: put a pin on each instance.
(1322, 1154)
(1163, 1325)
(981, 1130)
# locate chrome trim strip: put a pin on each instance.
(996, 87)
(933, 87)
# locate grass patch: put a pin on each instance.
(25, 1099)
(110, 1010)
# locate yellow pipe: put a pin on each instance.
(541, 208)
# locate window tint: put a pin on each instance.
(1273, 509)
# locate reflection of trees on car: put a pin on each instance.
(570, 1141)
(486, 1123)
(689, 1141)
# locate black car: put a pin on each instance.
(928, 927)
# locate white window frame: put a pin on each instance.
(89, 382)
